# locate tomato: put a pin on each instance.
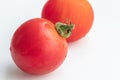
(37, 48)
(79, 12)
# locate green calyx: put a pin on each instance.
(64, 30)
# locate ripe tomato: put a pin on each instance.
(79, 12)
(37, 48)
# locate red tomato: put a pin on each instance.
(79, 12)
(37, 48)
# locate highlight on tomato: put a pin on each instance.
(37, 48)
(78, 12)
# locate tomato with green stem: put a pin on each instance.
(79, 12)
(37, 48)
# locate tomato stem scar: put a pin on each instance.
(65, 30)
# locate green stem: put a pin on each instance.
(64, 30)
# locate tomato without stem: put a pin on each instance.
(79, 12)
(37, 48)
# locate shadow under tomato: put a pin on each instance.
(14, 73)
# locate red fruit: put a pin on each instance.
(79, 12)
(37, 48)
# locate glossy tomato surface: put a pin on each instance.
(37, 48)
(79, 12)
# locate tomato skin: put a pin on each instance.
(79, 12)
(37, 48)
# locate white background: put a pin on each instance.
(95, 57)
